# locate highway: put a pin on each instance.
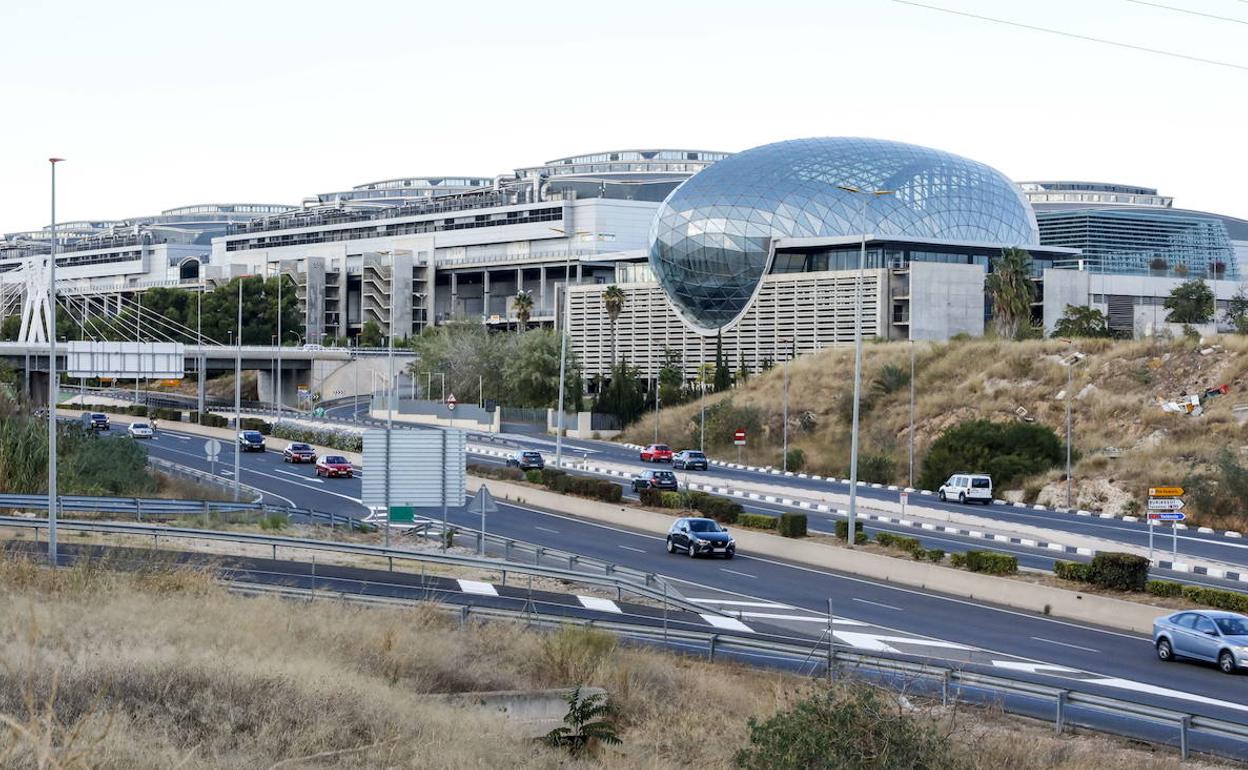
(788, 595)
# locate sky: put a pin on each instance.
(157, 105)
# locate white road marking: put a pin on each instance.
(602, 605)
(803, 618)
(1063, 644)
(630, 548)
(1109, 681)
(477, 587)
(742, 574)
(881, 643)
(735, 603)
(728, 624)
(877, 604)
(546, 529)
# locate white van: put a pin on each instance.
(967, 488)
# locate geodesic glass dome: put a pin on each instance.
(711, 241)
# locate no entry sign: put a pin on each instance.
(738, 437)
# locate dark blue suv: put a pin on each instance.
(700, 537)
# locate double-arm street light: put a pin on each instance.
(866, 196)
(52, 389)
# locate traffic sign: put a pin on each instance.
(1165, 491)
(482, 502)
(404, 514)
(451, 401)
(1164, 504)
(1167, 515)
(212, 449)
(738, 437)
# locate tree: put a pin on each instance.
(613, 300)
(743, 374)
(1237, 311)
(723, 375)
(524, 309)
(623, 395)
(370, 335)
(671, 377)
(1008, 452)
(531, 371)
(1081, 321)
(1191, 302)
(587, 724)
(1011, 290)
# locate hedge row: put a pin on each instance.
(1166, 588)
(1110, 570)
(566, 484)
(842, 532)
(210, 420)
(988, 562)
(334, 439)
(758, 521)
(792, 524)
(495, 472)
(1232, 601)
(910, 545)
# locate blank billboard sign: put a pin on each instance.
(420, 466)
(146, 360)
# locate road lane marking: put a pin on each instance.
(1063, 644)
(602, 605)
(728, 624)
(735, 603)
(877, 604)
(742, 574)
(630, 548)
(477, 587)
(546, 529)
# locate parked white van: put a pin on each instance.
(967, 488)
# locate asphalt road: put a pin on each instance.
(1063, 653)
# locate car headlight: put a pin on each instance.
(731, 541)
(699, 541)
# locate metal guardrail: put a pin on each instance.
(622, 584)
(157, 508)
(949, 680)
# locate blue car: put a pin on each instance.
(1209, 635)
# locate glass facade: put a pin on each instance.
(711, 239)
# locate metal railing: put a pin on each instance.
(159, 508)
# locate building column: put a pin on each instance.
(454, 293)
(541, 286)
(485, 295)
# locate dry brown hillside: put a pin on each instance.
(1125, 439)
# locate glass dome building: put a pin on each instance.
(714, 238)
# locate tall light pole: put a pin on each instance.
(390, 389)
(1070, 362)
(563, 345)
(238, 389)
(867, 195)
(199, 342)
(910, 483)
(278, 392)
(52, 389)
(784, 422)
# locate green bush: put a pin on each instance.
(502, 473)
(255, 423)
(875, 468)
(1119, 571)
(533, 476)
(327, 437)
(757, 521)
(1008, 452)
(1232, 601)
(720, 509)
(792, 524)
(935, 555)
(1072, 570)
(136, 410)
(991, 562)
(958, 560)
(1166, 588)
(842, 532)
(910, 545)
(209, 420)
(794, 460)
(584, 486)
(854, 729)
(672, 500)
(651, 498)
(172, 415)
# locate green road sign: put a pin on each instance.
(402, 514)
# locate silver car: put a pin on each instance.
(1209, 635)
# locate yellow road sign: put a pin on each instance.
(1165, 491)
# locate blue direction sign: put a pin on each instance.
(1167, 515)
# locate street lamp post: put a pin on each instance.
(563, 341)
(278, 387)
(853, 441)
(784, 422)
(53, 501)
(238, 389)
(911, 435)
(1070, 362)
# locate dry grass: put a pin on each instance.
(985, 378)
(165, 669)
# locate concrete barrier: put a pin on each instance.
(1017, 594)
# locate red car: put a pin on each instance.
(333, 465)
(298, 453)
(657, 453)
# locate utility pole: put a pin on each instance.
(784, 458)
(199, 342)
(563, 354)
(238, 390)
(278, 391)
(53, 498)
(911, 476)
(389, 420)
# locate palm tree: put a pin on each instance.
(1012, 291)
(613, 301)
(523, 304)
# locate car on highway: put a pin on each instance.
(967, 488)
(527, 460)
(665, 480)
(689, 459)
(330, 466)
(298, 452)
(656, 453)
(140, 430)
(95, 421)
(700, 537)
(251, 441)
(1208, 635)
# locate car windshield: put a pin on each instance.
(532, 456)
(665, 475)
(336, 460)
(704, 525)
(981, 483)
(252, 435)
(139, 426)
(98, 416)
(661, 448)
(1232, 626)
(694, 455)
(300, 447)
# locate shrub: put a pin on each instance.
(842, 532)
(326, 437)
(792, 524)
(991, 562)
(857, 729)
(720, 509)
(890, 379)
(757, 521)
(1232, 601)
(209, 420)
(598, 489)
(671, 500)
(549, 475)
(1166, 588)
(875, 469)
(1119, 571)
(255, 423)
(1007, 451)
(173, 415)
(958, 560)
(1072, 570)
(651, 498)
(910, 545)
(934, 555)
(136, 410)
(533, 476)
(495, 472)
(795, 460)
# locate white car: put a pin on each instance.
(967, 488)
(140, 430)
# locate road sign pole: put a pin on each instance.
(1151, 524)
(1174, 532)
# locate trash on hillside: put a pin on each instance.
(1240, 413)
(1021, 413)
(1221, 390)
(1184, 404)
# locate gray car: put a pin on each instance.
(1208, 635)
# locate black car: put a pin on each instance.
(689, 459)
(655, 480)
(95, 421)
(527, 461)
(700, 537)
(251, 441)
